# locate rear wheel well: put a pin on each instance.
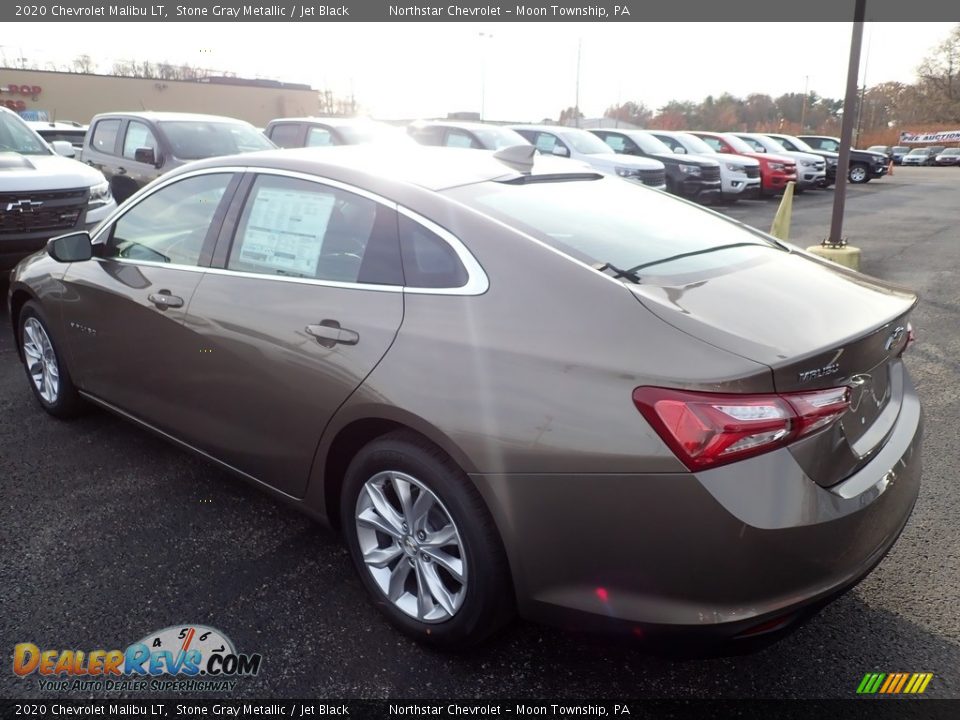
(345, 445)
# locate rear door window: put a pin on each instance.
(297, 228)
(104, 137)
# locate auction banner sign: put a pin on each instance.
(932, 137)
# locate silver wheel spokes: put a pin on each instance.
(41, 360)
(411, 547)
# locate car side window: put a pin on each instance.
(297, 228)
(319, 137)
(830, 145)
(459, 138)
(104, 137)
(545, 142)
(138, 136)
(286, 135)
(428, 259)
(171, 224)
(618, 143)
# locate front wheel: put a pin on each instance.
(424, 543)
(44, 362)
(858, 174)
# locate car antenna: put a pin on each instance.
(519, 157)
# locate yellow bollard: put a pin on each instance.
(846, 255)
(781, 221)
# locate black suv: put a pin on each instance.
(699, 179)
(133, 148)
(865, 165)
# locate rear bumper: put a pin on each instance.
(714, 553)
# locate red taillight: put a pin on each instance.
(707, 430)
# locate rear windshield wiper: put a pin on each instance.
(617, 272)
(632, 271)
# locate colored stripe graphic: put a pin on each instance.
(894, 683)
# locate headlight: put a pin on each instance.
(833, 162)
(780, 167)
(736, 168)
(690, 169)
(99, 195)
(807, 163)
(627, 171)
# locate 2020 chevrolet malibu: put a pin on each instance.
(513, 385)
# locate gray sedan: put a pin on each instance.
(513, 385)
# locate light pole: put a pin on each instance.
(483, 72)
(576, 104)
(806, 94)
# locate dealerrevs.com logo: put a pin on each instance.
(185, 657)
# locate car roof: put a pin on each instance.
(431, 168)
(462, 124)
(157, 116)
(336, 121)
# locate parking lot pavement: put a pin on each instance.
(108, 533)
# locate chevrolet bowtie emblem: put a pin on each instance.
(24, 206)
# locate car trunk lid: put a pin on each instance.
(816, 325)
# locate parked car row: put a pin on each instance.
(933, 155)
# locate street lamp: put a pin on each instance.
(483, 72)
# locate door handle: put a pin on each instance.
(164, 300)
(328, 333)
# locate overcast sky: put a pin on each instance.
(519, 71)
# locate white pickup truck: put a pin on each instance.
(41, 193)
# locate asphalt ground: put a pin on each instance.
(108, 533)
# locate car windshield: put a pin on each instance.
(617, 223)
(737, 144)
(878, 148)
(951, 151)
(900, 148)
(586, 143)
(650, 144)
(797, 143)
(694, 144)
(194, 139)
(918, 151)
(495, 138)
(16, 137)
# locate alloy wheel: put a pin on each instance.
(857, 174)
(41, 360)
(411, 547)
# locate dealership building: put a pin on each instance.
(49, 95)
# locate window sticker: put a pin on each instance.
(285, 230)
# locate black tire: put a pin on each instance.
(858, 174)
(121, 188)
(488, 599)
(67, 402)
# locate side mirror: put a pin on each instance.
(75, 247)
(147, 156)
(62, 147)
(561, 151)
(680, 150)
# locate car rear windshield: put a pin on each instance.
(191, 139)
(497, 138)
(618, 222)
